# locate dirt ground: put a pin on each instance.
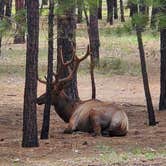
(143, 145)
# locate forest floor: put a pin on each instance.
(142, 146)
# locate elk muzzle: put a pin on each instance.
(41, 99)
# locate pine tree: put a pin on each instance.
(30, 136)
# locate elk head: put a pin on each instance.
(58, 85)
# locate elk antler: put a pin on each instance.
(76, 61)
(86, 55)
(68, 62)
(42, 81)
(55, 76)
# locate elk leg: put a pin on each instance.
(68, 130)
(95, 122)
(71, 127)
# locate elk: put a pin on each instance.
(93, 116)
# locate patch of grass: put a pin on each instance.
(150, 155)
(104, 148)
(14, 63)
(108, 155)
(9, 69)
(137, 151)
(113, 65)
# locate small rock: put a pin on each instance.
(136, 132)
(76, 151)
(46, 143)
(85, 143)
(16, 160)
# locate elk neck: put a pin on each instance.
(64, 106)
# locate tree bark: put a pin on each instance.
(122, 11)
(92, 65)
(100, 10)
(30, 136)
(110, 6)
(162, 102)
(80, 9)
(19, 37)
(66, 39)
(8, 5)
(153, 23)
(1, 17)
(151, 115)
(133, 8)
(115, 9)
(144, 9)
(45, 2)
(46, 115)
(94, 33)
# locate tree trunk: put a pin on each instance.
(8, 8)
(100, 10)
(66, 39)
(19, 37)
(94, 33)
(153, 24)
(122, 11)
(162, 102)
(92, 65)
(45, 2)
(144, 9)
(0, 45)
(80, 9)
(151, 114)
(46, 116)
(110, 7)
(115, 9)
(1, 17)
(30, 137)
(133, 8)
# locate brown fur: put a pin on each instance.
(92, 116)
(97, 116)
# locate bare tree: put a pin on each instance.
(46, 115)
(30, 136)
(151, 115)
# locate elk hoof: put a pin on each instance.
(96, 134)
(67, 131)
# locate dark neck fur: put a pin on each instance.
(64, 106)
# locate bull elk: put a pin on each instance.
(92, 116)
